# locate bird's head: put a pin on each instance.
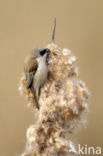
(40, 52)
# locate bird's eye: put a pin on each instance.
(44, 51)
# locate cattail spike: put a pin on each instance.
(53, 34)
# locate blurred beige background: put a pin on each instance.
(25, 24)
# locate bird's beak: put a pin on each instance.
(48, 51)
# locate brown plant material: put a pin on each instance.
(63, 107)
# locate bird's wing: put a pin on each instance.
(29, 78)
(30, 70)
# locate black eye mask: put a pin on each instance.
(44, 51)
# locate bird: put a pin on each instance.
(36, 68)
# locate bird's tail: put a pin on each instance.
(36, 96)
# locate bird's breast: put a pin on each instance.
(41, 74)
